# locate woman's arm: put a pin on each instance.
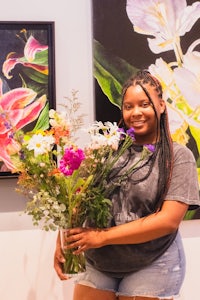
(164, 222)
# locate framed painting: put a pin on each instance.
(27, 63)
(124, 41)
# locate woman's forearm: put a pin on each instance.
(148, 228)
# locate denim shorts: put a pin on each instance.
(162, 279)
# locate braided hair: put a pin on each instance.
(164, 149)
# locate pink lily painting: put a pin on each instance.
(26, 83)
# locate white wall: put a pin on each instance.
(26, 253)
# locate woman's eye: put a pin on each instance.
(127, 106)
(146, 104)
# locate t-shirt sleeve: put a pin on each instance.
(184, 185)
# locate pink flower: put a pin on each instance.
(30, 60)
(71, 160)
(18, 108)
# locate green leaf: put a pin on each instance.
(189, 215)
(35, 75)
(110, 72)
(43, 120)
(41, 58)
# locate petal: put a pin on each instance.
(142, 15)
(17, 98)
(189, 85)
(176, 119)
(159, 44)
(31, 112)
(9, 119)
(39, 68)
(191, 61)
(6, 143)
(164, 73)
(155, 16)
(190, 15)
(15, 119)
(32, 47)
(9, 64)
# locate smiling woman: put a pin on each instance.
(152, 192)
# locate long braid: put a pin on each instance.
(166, 159)
(164, 149)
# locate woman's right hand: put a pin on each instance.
(59, 260)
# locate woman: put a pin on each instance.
(140, 256)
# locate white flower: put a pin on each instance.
(188, 76)
(104, 134)
(165, 75)
(177, 83)
(40, 144)
(165, 20)
(176, 119)
(42, 164)
(58, 119)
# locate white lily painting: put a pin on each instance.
(163, 37)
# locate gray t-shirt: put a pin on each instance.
(132, 201)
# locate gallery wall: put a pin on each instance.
(26, 253)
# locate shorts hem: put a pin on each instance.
(92, 285)
(149, 296)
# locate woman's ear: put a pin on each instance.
(162, 106)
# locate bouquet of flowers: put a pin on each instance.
(68, 186)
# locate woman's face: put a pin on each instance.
(139, 114)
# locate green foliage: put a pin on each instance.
(110, 72)
(96, 208)
(189, 215)
(43, 120)
(36, 76)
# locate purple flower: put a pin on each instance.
(150, 147)
(131, 133)
(71, 160)
(121, 130)
(122, 133)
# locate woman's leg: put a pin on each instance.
(138, 298)
(82, 292)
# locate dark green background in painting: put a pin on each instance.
(113, 29)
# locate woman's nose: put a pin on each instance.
(136, 110)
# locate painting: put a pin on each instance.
(125, 40)
(27, 81)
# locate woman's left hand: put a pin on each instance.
(84, 238)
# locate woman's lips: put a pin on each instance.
(137, 123)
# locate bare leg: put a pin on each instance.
(82, 292)
(138, 298)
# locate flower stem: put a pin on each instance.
(178, 52)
